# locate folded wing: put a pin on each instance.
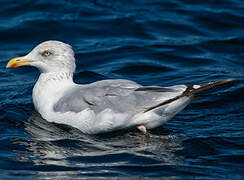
(118, 95)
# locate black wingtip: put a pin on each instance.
(228, 80)
(212, 84)
(209, 85)
(190, 91)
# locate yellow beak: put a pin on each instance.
(16, 62)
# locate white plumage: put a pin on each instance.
(101, 106)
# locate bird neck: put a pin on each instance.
(56, 77)
(49, 88)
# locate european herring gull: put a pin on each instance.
(102, 106)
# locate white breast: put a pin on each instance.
(47, 91)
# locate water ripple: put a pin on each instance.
(151, 42)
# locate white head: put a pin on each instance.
(49, 56)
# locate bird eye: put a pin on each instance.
(46, 53)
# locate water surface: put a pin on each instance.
(150, 42)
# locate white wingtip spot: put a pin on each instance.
(196, 86)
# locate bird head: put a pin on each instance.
(49, 56)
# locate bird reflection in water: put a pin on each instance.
(63, 146)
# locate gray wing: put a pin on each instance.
(118, 95)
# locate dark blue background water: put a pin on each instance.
(151, 42)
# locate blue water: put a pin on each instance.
(151, 42)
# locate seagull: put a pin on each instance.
(101, 106)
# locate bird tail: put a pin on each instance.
(192, 90)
